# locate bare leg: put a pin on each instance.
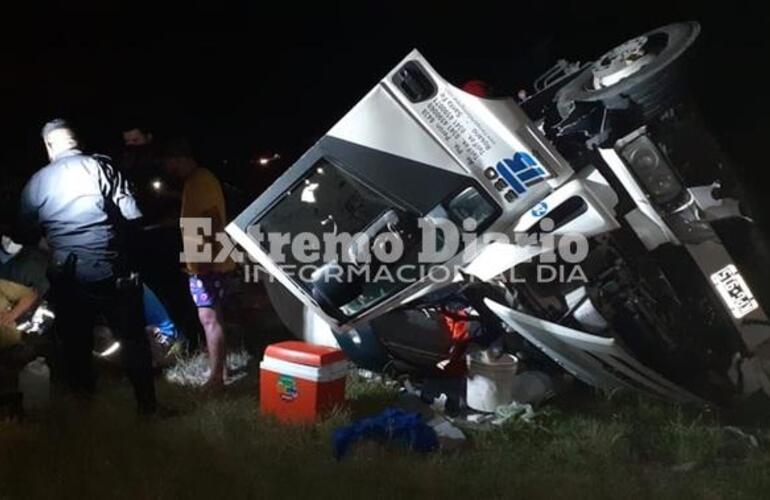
(215, 341)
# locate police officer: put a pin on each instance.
(84, 208)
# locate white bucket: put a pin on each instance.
(490, 381)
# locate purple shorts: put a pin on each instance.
(208, 290)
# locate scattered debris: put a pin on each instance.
(368, 375)
(736, 444)
(750, 440)
(450, 437)
(515, 410)
(194, 371)
(502, 415)
(439, 403)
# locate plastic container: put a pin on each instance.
(490, 381)
(300, 382)
(35, 386)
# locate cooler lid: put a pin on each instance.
(302, 353)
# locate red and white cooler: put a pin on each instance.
(300, 382)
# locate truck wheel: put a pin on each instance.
(642, 72)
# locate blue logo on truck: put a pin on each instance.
(521, 172)
(540, 209)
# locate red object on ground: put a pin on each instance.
(299, 382)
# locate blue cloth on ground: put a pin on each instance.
(155, 314)
(390, 425)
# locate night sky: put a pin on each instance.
(241, 81)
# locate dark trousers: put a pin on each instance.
(159, 265)
(77, 306)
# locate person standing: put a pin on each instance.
(83, 206)
(159, 203)
(139, 162)
(202, 198)
(138, 159)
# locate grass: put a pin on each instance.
(193, 371)
(222, 447)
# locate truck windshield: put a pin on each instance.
(344, 217)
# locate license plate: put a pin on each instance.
(734, 291)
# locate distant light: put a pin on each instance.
(157, 185)
(319, 170)
(266, 160)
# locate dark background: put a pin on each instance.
(276, 76)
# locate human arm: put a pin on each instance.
(116, 188)
(25, 299)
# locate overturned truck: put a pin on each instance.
(586, 229)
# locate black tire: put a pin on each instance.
(651, 90)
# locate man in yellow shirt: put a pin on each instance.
(202, 198)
